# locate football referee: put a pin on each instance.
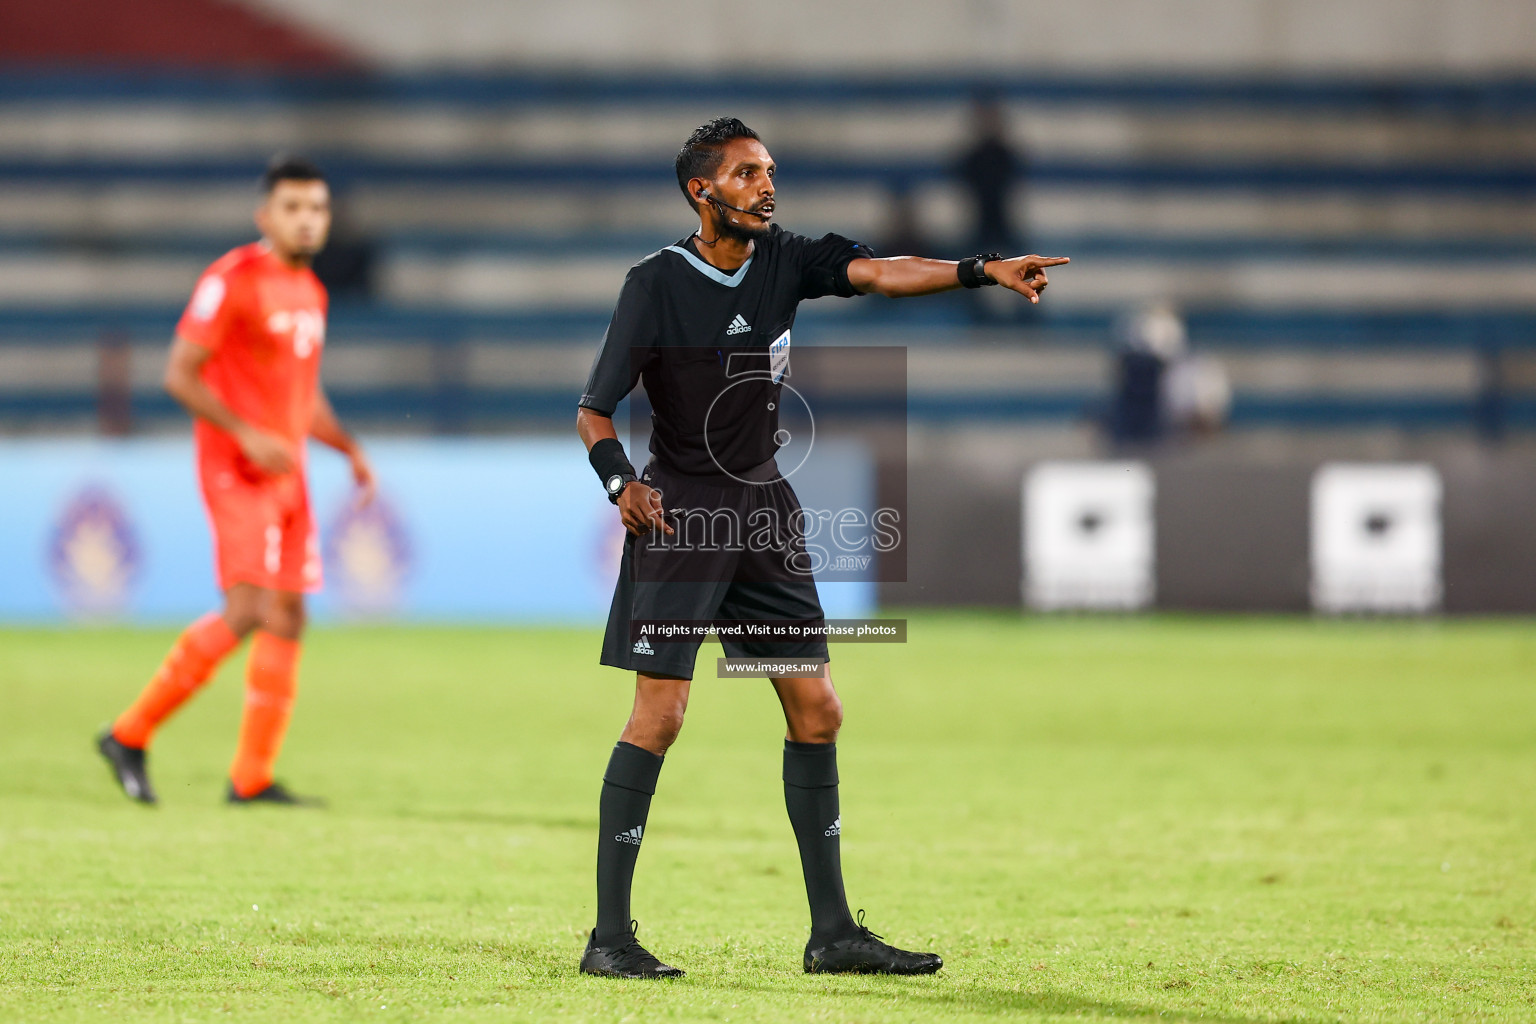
(690, 320)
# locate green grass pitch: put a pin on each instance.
(1126, 819)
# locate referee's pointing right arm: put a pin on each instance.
(901, 276)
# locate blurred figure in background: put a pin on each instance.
(990, 169)
(346, 265)
(1197, 395)
(1161, 388)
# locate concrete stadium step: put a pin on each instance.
(109, 212)
(110, 130)
(492, 283)
(497, 283)
(951, 371)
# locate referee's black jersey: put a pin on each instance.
(712, 347)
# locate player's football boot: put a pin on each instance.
(864, 952)
(128, 767)
(275, 793)
(625, 959)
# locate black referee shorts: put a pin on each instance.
(737, 555)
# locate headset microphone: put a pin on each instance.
(718, 204)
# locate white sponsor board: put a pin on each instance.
(1376, 538)
(1088, 539)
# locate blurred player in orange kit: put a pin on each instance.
(246, 364)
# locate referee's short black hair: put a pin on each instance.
(287, 167)
(700, 155)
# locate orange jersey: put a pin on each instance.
(264, 322)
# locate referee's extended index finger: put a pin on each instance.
(1049, 261)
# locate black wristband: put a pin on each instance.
(971, 273)
(608, 458)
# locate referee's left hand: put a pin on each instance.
(641, 509)
(1024, 274)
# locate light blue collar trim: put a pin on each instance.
(715, 274)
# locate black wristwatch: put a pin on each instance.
(615, 486)
(971, 270)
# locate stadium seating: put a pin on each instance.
(1291, 221)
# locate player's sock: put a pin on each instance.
(628, 785)
(810, 794)
(271, 681)
(190, 663)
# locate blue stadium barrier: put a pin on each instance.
(458, 409)
(635, 245)
(1082, 247)
(929, 322)
(1494, 96)
(349, 169)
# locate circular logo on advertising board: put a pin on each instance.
(368, 557)
(94, 554)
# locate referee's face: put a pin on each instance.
(745, 179)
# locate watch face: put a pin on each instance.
(614, 483)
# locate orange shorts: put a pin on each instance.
(263, 532)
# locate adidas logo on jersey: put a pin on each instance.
(738, 326)
(643, 647)
(632, 837)
(836, 828)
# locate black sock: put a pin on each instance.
(810, 795)
(628, 785)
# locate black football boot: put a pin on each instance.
(624, 959)
(128, 767)
(864, 952)
(275, 793)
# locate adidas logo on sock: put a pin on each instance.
(631, 837)
(837, 827)
(738, 326)
(642, 647)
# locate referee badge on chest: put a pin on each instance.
(778, 357)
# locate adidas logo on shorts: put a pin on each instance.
(643, 647)
(836, 828)
(632, 837)
(738, 326)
